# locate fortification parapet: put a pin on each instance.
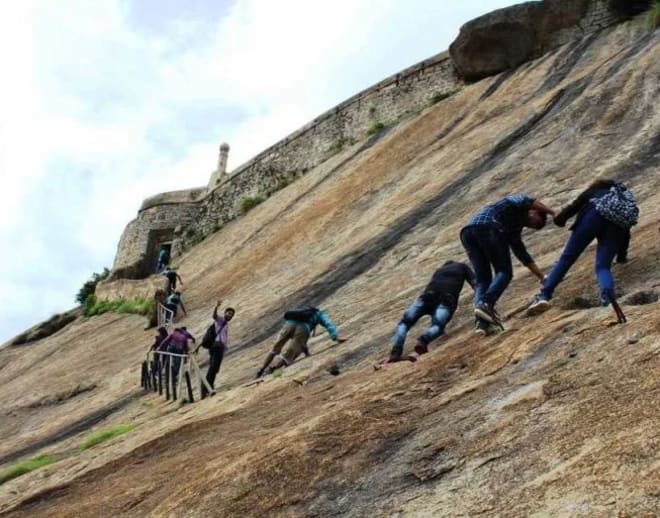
(173, 197)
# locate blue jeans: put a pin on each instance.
(611, 239)
(486, 246)
(440, 316)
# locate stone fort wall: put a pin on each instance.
(185, 217)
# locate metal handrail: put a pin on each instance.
(165, 317)
(187, 368)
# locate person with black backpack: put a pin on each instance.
(605, 211)
(299, 325)
(216, 340)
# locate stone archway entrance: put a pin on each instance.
(160, 238)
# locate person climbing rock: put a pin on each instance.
(157, 346)
(172, 277)
(299, 325)
(160, 299)
(439, 300)
(605, 211)
(163, 259)
(217, 344)
(173, 302)
(488, 238)
(177, 343)
(158, 339)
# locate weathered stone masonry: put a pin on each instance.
(197, 212)
(182, 217)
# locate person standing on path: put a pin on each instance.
(488, 238)
(218, 347)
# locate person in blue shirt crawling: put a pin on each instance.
(489, 238)
(299, 325)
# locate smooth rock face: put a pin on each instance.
(556, 416)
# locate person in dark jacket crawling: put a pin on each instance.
(439, 300)
(605, 211)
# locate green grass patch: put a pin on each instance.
(93, 307)
(26, 466)
(250, 202)
(104, 435)
(285, 180)
(437, 97)
(375, 128)
(337, 145)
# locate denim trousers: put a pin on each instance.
(440, 316)
(610, 238)
(487, 247)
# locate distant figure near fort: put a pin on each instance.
(163, 259)
(172, 277)
(173, 303)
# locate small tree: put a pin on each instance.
(654, 15)
(89, 287)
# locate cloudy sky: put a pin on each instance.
(106, 102)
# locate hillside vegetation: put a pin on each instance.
(557, 416)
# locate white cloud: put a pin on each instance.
(105, 103)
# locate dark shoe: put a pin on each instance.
(539, 304)
(480, 327)
(394, 357)
(494, 329)
(486, 312)
(259, 374)
(421, 348)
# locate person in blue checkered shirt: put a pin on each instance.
(489, 238)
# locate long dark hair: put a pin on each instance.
(602, 183)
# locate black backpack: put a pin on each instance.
(209, 337)
(305, 315)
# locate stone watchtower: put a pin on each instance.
(219, 173)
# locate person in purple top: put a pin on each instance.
(220, 344)
(177, 343)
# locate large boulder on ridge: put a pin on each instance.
(496, 41)
(508, 37)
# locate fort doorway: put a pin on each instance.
(161, 238)
(168, 251)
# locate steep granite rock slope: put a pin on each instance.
(557, 416)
